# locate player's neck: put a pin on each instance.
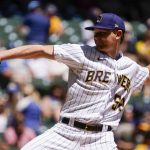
(114, 51)
(111, 52)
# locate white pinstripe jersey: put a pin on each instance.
(98, 86)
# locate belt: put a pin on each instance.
(87, 127)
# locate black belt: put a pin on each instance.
(87, 127)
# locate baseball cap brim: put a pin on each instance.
(98, 27)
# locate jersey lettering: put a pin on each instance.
(119, 103)
(90, 76)
(124, 81)
(99, 76)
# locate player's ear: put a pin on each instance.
(119, 34)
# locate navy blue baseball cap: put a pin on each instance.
(108, 21)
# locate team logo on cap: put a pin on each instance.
(99, 19)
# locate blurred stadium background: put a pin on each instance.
(33, 91)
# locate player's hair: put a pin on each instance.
(122, 37)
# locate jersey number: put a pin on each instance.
(119, 103)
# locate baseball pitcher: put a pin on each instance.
(101, 81)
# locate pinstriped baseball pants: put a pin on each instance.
(64, 137)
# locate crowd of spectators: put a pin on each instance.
(130, 9)
(33, 91)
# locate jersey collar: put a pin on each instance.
(120, 54)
